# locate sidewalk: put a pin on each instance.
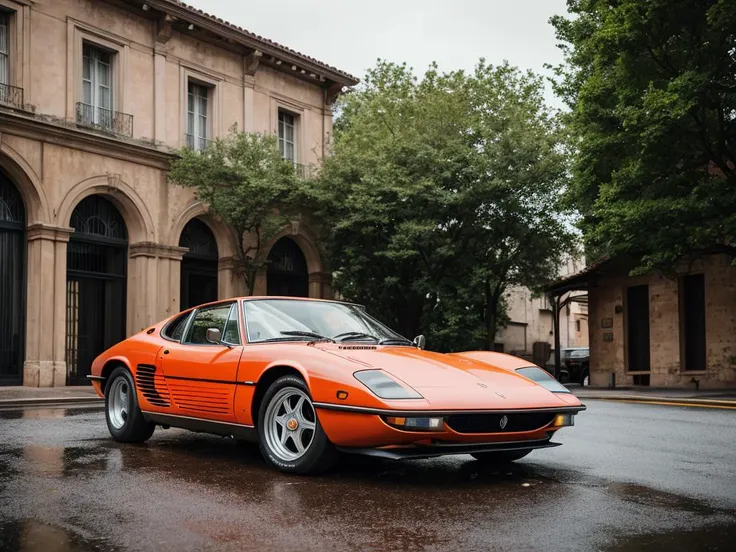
(20, 397)
(719, 398)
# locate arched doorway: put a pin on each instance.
(199, 265)
(97, 259)
(287, 273)
(12, 282)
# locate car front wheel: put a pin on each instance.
(124, 417)
(292, 439)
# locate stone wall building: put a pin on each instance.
(658, 331)
(94, 243)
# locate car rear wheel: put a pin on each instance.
(503, 457)
(292, 439)
(124, 417)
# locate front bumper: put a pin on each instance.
(360, 427)
(430, 451)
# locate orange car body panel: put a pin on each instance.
(218, 383)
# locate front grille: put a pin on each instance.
(491, 423)
(152, 385)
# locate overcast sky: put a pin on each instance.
(352, 34)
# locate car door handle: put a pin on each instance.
(166, 351)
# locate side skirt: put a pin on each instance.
(200, 425)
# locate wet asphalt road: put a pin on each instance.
(629, 477)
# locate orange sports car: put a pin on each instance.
(311, 378)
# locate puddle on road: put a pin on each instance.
(705, 539)
(34, 536)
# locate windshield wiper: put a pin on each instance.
(395, 341)
(308, 334)
(349, 336)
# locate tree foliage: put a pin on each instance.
(652, 88)
(244, 181)
(441, 193)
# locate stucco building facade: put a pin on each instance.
(95, 244)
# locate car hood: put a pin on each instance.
(451, 382)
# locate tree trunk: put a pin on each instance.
(491, 316)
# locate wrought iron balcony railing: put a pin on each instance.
(196, 143)
(11, 95)
(106, 120)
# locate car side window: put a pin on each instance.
(204, 319)
(174, 330)
(231, 334)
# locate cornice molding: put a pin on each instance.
(64, 134)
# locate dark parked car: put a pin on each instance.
(578, 366)
(574, 362)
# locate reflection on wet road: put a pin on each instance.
(629, 477)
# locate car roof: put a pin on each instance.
(277, 297)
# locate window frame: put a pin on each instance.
(194, 85)
(213, 83)
(190, 323)
(18, 13)
(6, 79)
(94, 80)
(166, 328)
(282, 139)
(78, 34)
(237, 322)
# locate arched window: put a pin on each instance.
(287, 273)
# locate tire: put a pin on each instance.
(303, 448)
(124, 417)
(503, 457)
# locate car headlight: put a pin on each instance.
(384, 386)
(542, 378)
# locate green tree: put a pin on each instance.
(652, 88)
(244, 181)
(441, 193)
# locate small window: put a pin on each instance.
(287, 136)
(175, 329)
(97, 96)
(204, 319)
(198, 132)
(4, 48)
(577, 325)
(232, 331)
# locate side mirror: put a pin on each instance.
(213, 336)
(420, 342)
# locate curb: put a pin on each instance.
(662, 400)
(8, 404)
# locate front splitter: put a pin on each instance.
(430, 451)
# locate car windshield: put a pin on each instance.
(580, 353)
(293, 320)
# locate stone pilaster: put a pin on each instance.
(154, 274)
(320, 285)
(229, 282)
(45, 364)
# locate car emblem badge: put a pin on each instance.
(292, 424)
(501, 395)
(503, 422)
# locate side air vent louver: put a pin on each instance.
(152, 385)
